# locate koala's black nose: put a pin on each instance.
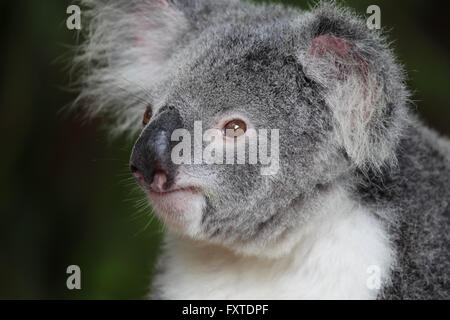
(151, 163)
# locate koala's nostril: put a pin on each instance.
(139, 177)
(159, 181)
(133, 169)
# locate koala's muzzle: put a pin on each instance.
(151, 162)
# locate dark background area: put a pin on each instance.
(65, 192)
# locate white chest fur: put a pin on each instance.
(341, 253)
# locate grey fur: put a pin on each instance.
(208, 58)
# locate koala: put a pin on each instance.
(358, 206)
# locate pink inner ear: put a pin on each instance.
(328, 43)
(163, 2)
(341, 48)
(350, 60)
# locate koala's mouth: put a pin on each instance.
(178, 201)
(165, 193)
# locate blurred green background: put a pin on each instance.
(65, 193)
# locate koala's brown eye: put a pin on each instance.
(147, 116)
(235, 128)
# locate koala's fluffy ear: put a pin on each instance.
(126, 48)
(361, 83)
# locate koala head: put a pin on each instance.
(323, 88)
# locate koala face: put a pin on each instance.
(307, 80)
(259, 84)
